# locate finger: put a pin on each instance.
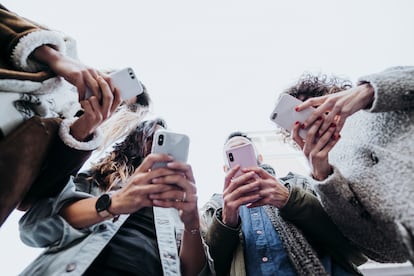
(295, 134)
(151, 159)
(319, 112)
(324, 139)
(107, 97)
(183, 167)
(116, 100)
(229, 177)
(90, 80)
(95, 108)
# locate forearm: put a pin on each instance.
(306, 212)
(82, 213)
(192, 254)
(222, 242)
(393, 89)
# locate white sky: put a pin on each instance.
(213, 67)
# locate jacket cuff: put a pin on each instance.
(30, 42)
(69, 140)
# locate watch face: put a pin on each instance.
(103, 203)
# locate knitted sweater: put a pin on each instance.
(370, 194)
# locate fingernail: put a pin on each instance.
(319, 118)
(302, 126)
(297, 122)
(297, 108)
(337, 136)
(332, 125)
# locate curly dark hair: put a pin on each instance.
(126, 155)
(309, 86)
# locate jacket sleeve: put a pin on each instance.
(222, 241)
(64, 159)
(20, 37)
(42, 226)
(305, 211)
(393, 89)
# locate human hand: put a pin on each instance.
(338, 106)
(316, 147)
(182, 196)
(95, 112)
(72, 70)
(268, 189)
(139, 186)
(237, 192)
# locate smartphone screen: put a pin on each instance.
(285, 115)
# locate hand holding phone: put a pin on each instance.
(285, 115)
(125, 81)
(171, 143)
(243, 155)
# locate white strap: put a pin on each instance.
(167, 246)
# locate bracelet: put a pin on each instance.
(193, 231)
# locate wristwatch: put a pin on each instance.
(102, 205)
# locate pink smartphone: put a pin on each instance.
(285, 115)
(243, 155)
(126, 81)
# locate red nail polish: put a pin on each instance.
(296, 108)
(319, 118)
(332, 125)
(302, 126)
(297, 122)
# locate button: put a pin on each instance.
(374, 158)
(354, 202)
(265, 259)
(259, 232)
(70, 267)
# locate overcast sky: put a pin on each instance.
(212, 67)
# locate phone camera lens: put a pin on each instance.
(231, 158)
(160, 140)
(274, 116)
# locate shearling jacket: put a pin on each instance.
(370, 194)
(28, 88)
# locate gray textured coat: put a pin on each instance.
(370, 195)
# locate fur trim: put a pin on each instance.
(30, 42)
(36, 88)
(69, 140)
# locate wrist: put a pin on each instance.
(46, 54)
(366, 92)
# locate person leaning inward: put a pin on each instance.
(366, 183)
(103, 222)
(263, 225)
(41, 82)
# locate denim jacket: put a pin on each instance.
(70, 251)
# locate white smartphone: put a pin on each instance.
(243, 155)
(285, 115)
(126, 81)
(172, 143)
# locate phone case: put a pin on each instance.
(243, 155)
(172, 143)
(285, 115)
(127, 83)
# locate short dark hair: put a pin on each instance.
(237, 134)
